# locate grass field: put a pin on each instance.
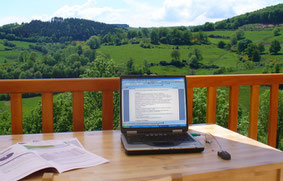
(169, 70)
(244, 95)
(211, 56)
(12, 55)
(2, 47)
(123, 53)
(22, 44)
(265, 35)
(9, 56)
(28, 105)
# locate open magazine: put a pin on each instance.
(23, 159)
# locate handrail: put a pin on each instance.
(107, 85)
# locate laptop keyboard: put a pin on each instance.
(151, 138)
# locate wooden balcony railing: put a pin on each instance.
(107, 85)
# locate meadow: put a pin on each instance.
(28, 105)
(11, 55)
(212, 55)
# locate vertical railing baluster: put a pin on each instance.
(233, 108)
(190, 94)
(253, 115)
(47, 112)
(273, 115)
(16, 113)
(107, 110)
(78, 111)
(211, 105)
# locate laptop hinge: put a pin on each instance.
(177, 131)
(131, 132)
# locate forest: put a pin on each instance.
(56, 30)
(77, 48)
(269, 15)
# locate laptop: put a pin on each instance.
(153, 115)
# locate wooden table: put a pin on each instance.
(251, 160)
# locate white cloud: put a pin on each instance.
(139, 13)
(195, 12)
(11, 19)
(22, 19)
(89, 10)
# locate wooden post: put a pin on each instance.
(254, 102)
(233, 108)
(107, 110)
(47, 112)
(16, 113)
(273, 114)
(190, 105)
(78, 111)
(211, 105)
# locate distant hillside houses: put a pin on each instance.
(121, 25)
(267, 26)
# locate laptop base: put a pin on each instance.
(154, 152)
(145, 149)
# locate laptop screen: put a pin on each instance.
(153, 102)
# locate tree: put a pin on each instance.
(202, 37)
(117, 40)
(240, 34)
(260, 47)
(221, 44)
(222, 106)
(276, 31)
(243, 44)
(208, 26)
(73, 57)
(234, 40)
(101, 67)
(23, 56)
(276, 68)
(275, 47)
(38, 75)
(146, 67)
(33, 56)
(132, 34)
(145, 32)
(80, 49)
(130, 67)
(5, 123)
(89, 53)
(263, 118)
(93, 42)
(187, 37)
(176, 37)
(220, 25)
(8, 44)
(253, 52)
(107, 38)
(154, 37)
(197, 53)
(175, 54)
(194, 63)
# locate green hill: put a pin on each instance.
(58, 29)
(269, 15)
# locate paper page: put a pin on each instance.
(65, 155)
(16, 163)
(73, 141)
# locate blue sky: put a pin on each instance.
(136, 13)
